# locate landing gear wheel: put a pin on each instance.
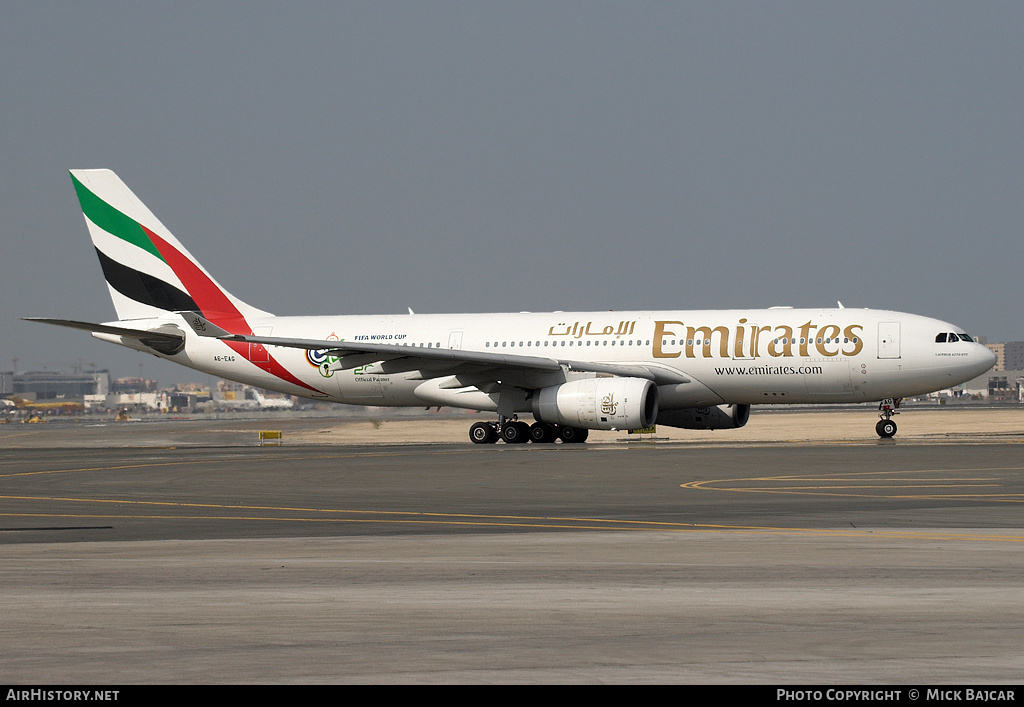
(542, 433)
(515, 433)
(885, 428)
(573, 435)
(483, 433)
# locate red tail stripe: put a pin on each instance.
(212, 301)
(217, 307)
(271, 366)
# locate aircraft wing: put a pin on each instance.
(394, 358)
(475, 365)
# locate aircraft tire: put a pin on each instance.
(573, 435)
(482, 433)
(885, 428)
(515, 433)
(542, 433)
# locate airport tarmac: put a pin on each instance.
(923, 425)
(180, 552)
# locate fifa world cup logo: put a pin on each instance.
(319, 358)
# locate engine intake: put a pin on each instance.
(599, 403)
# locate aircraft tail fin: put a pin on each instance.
(148, 271)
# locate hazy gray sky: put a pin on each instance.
(477, 156)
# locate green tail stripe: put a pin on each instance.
(111, 220)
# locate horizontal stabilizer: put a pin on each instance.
(109, 329)
(168, 339)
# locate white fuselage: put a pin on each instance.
(703, 357)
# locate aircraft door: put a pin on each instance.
(258, 353)
(455, 340)
(745, 344)
(888, 340)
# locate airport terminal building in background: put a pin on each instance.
(94, 390)
(54, 385)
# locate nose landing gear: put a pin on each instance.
(886, 427)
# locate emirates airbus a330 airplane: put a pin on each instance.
(572, 371)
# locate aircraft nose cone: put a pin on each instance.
(984, 357)
(992, 358)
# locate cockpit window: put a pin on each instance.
(951, 337)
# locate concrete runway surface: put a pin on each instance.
(813, 562)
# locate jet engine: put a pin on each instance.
(720, 417)
(599, 403)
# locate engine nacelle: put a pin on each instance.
(599, 403)
(720, 417)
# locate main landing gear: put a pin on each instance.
(514, 431)
(886, 426)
